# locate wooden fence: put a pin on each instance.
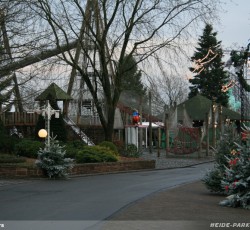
(19, 119)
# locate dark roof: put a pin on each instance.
(197, 107)
(53, 91)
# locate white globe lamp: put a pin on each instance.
(42, 133)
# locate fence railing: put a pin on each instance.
(18, 119)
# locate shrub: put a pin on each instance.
(8, 158)
(131, 151)
(7, 143)
(120, 146)
(73, 147)
(109, 145)
(51, 160)
(212, 180)
(28, 148)
(95, 154)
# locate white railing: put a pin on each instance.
(78, 131)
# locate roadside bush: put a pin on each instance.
(73, 147)
(131, 151)
(95, 154)
(120, 146)
(8, 143)
(8, 158)
(212, 180)
(109, 145)
(28, 148)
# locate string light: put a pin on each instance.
(225, 88)
(200, 63)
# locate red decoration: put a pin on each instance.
(136, 117)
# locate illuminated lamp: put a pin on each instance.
(42, 133)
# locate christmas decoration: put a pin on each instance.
(231, 175)
(136, 117)
(200, 63)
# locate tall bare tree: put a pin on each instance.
(19, 38)
(106, 31)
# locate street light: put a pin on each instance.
(47, 112)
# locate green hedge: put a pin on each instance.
(109, 145)
(131, 151)
(28, 148)
(8, 158)
(72, 148)
(95, 154)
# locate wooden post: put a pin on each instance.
(167, 133)
(207, 134)
(213, 124)
(140, 129)
(150, 123)
(221, 121)
(159, 142)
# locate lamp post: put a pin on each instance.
(47, 112)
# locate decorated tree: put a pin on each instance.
(231, 174)
(227, 144)
(236, 179)
(209, 75)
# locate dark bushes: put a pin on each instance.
(95, 154)
(28, 148)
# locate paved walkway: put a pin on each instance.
(184, 207)
(189, 206)
(171, 161)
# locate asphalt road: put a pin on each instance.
(84, 199)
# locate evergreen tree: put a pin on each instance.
(208, 69)
(52, 160)
(227, 144)
(132, 77)
(236, 179)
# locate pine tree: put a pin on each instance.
(52, 161)
(208, 68)
(226, 147)
(236, 180)
(132, 77)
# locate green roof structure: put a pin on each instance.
(199, 106)
(53, 91)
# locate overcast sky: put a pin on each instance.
(234, 27)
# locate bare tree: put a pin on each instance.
(19, 38)
(106, 31)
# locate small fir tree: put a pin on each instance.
(209, 69)
(51, 160)
(213, 177)
(236, 179)
(231, 174)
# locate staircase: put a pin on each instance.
(78, 131)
